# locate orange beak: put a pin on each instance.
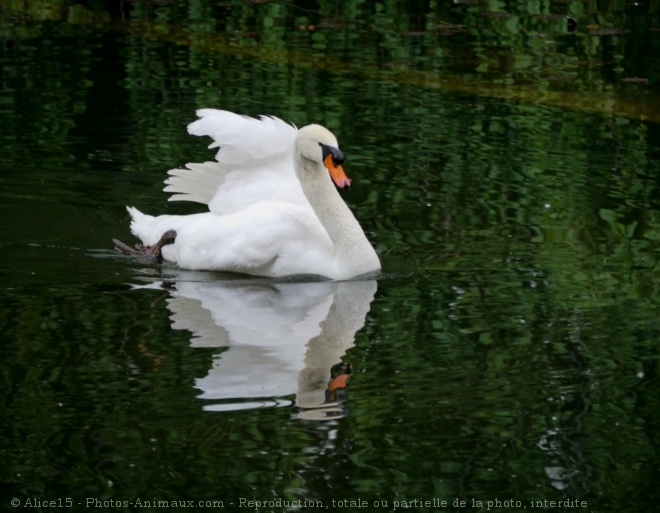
(337, 173)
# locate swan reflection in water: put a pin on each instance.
(282, 339)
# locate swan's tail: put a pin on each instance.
(142, 227)
(139, 223)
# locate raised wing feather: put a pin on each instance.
(254, 163)
(242, 138)
(198, 182)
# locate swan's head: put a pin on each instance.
(318, 146)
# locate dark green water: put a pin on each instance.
(505, 165)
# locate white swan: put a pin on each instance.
(273, 210)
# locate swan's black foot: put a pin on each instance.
(147, 251)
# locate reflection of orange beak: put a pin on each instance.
(337, 173)
(338, 382)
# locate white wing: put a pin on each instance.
(254, 163)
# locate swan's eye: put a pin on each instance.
(337, 154)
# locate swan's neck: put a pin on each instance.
(352, 248)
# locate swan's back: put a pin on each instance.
(254, 163)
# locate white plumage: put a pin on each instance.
(273, 210)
